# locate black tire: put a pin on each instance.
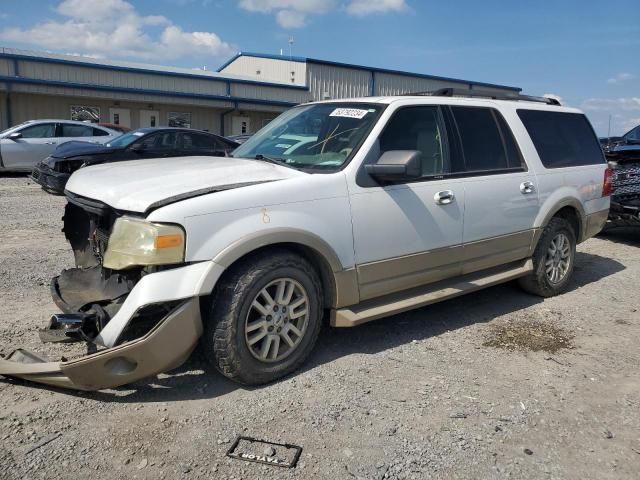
(538, 282)
(224, 344)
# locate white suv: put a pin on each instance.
(388, 204)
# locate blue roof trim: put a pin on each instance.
(142, 91)
(102, 66)
(368, 69)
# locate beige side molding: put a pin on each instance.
(422, 296)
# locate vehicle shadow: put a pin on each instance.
(196, 380)
(624, 235)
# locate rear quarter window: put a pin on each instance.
(562, 139)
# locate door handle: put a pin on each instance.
(444, 198)
(527, 187)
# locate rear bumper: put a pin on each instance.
(165, 347)
(49, 179)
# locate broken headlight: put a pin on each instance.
(135, 241)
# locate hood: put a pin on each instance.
(137, 186)
(77, 148)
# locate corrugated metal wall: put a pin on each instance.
(269, 70)
(29, 106)
(261, 92)
(390, 84)
(326, 81)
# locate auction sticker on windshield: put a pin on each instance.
(349, 113)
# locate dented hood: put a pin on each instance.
(137, 185)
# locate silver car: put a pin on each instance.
(24, 145)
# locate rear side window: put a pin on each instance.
(71, 130)
(99, 133)
(562, 139)
(487, 141)
(199, 143)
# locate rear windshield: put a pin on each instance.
(562, 139)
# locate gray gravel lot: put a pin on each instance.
(418, 395)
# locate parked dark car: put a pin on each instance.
(54, 171)
(624, 160)
(632, 137)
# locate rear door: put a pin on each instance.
(500, 190)
(35, 144)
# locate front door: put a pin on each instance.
(409, 234)
(149, 118)
(120, 116)
(36, 142)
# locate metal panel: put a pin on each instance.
(268, 70)
(389, 84)
(269, 93)
(330, 82)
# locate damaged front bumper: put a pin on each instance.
(165, 347)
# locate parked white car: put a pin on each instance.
(26, 144)
(399, 202)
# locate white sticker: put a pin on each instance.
(349, 113)
(283, 145)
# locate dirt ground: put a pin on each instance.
(463, 389)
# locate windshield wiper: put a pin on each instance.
(274, 160)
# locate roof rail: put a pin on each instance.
(459, 92)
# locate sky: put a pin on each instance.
(585, 52)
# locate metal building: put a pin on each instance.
(245, 94)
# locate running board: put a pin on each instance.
(419, 297)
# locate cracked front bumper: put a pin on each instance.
(165, 347)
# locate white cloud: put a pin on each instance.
(290, 19)
(626, 104)
(294, 13)
(621, 77)
(623, 112)
(102, 28)
(368, 7)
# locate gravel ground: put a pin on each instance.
(449, 391)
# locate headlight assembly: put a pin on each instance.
(135, 241)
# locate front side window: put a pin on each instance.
(43, 130)
(422, 129)
(562, 139)
(321, 136)
(161, 141)
(633, 135)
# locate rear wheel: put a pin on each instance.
(265, 318)
(553, 260)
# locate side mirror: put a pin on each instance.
(14, 136)
(396, 165)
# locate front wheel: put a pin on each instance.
(553, 260)
(265, 318)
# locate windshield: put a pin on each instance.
(320, 136)
(125, 140)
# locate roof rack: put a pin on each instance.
(459, 92)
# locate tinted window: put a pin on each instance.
(562, 139)
(514, 156)
(161, 141)
(44, 130)
(199, 143)
(99, 133)
(633, 134)
(419, 128)
(481, 139)
(70, 130)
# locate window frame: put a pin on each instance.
(498, 171)
(453, 144)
